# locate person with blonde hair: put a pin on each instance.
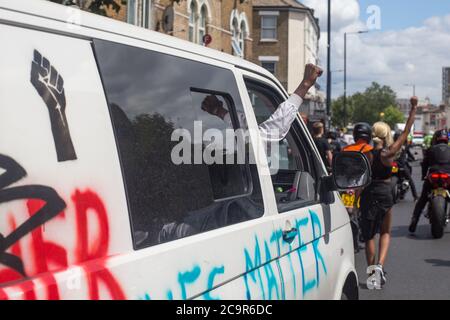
(377, 199)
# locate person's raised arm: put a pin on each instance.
(396, 146)
(279, 123)
(312, 73)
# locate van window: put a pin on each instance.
(164, 109)
(294, 178)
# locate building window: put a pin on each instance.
(197, 22)
(242, 34)
(146, 14)
(269, 66)
(202, 25)
(235, 38)
(139, 13)
(192, 21)
(132, 11)
(268, 27)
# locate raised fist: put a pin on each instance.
(312, 73)
(48, 83)
(214, 106)
(50, 86)
(414, 101)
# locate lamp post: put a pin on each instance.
(329, 65)
(345, 72)
(413, 86)
(332, 79)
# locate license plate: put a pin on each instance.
(440, 192)
(394, 169)
(348, 200)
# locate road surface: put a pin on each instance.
(418, 267)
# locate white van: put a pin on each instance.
(91, 205)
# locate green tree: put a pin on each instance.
(393, 115)
(95, 6)
(364, 107)
(338, 114)
(368, 105)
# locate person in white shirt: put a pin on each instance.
(278, 125)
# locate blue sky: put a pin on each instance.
(401, 14)
(411, 47)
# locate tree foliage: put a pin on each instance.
(95, 6)
(366, 106)
(393, 115)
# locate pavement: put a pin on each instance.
(418, 266)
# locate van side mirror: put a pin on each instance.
(351, 170)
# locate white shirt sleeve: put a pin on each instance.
(278, 125)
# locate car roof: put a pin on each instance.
(49, 10)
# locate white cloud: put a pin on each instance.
(395, 58)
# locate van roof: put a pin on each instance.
(49, 10)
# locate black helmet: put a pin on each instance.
(362, 131)
(440, 136)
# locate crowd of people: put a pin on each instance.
(382, 148)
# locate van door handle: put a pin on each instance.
(290, 235)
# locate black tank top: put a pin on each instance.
(439, 155)
(379, 170)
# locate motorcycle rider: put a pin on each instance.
(402, 162)
(362, 134)
(437, 158)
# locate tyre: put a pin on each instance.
(437, 216)
(350, 290)
(395, 189)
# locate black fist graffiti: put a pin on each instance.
(50, 86)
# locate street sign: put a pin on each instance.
(207, 39)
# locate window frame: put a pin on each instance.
(248, 182)
(146, 13)
(302, 143)
(242, 32)
(275, 28)
(132, 18)
(274, 66)
(235, 37)
(236, 125)
(193, 19)
(202, 23)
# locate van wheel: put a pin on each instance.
(344, 296)
(350, 290)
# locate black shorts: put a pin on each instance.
(376, 201)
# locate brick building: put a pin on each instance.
(446, 86)
(286, 37)
(228, 22)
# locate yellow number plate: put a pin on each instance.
(348, 200)
(440, 192)
(394, 169)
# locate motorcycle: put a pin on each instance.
(438, 205)
(400, 182)
(349, 198)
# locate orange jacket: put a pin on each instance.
(360, 146)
